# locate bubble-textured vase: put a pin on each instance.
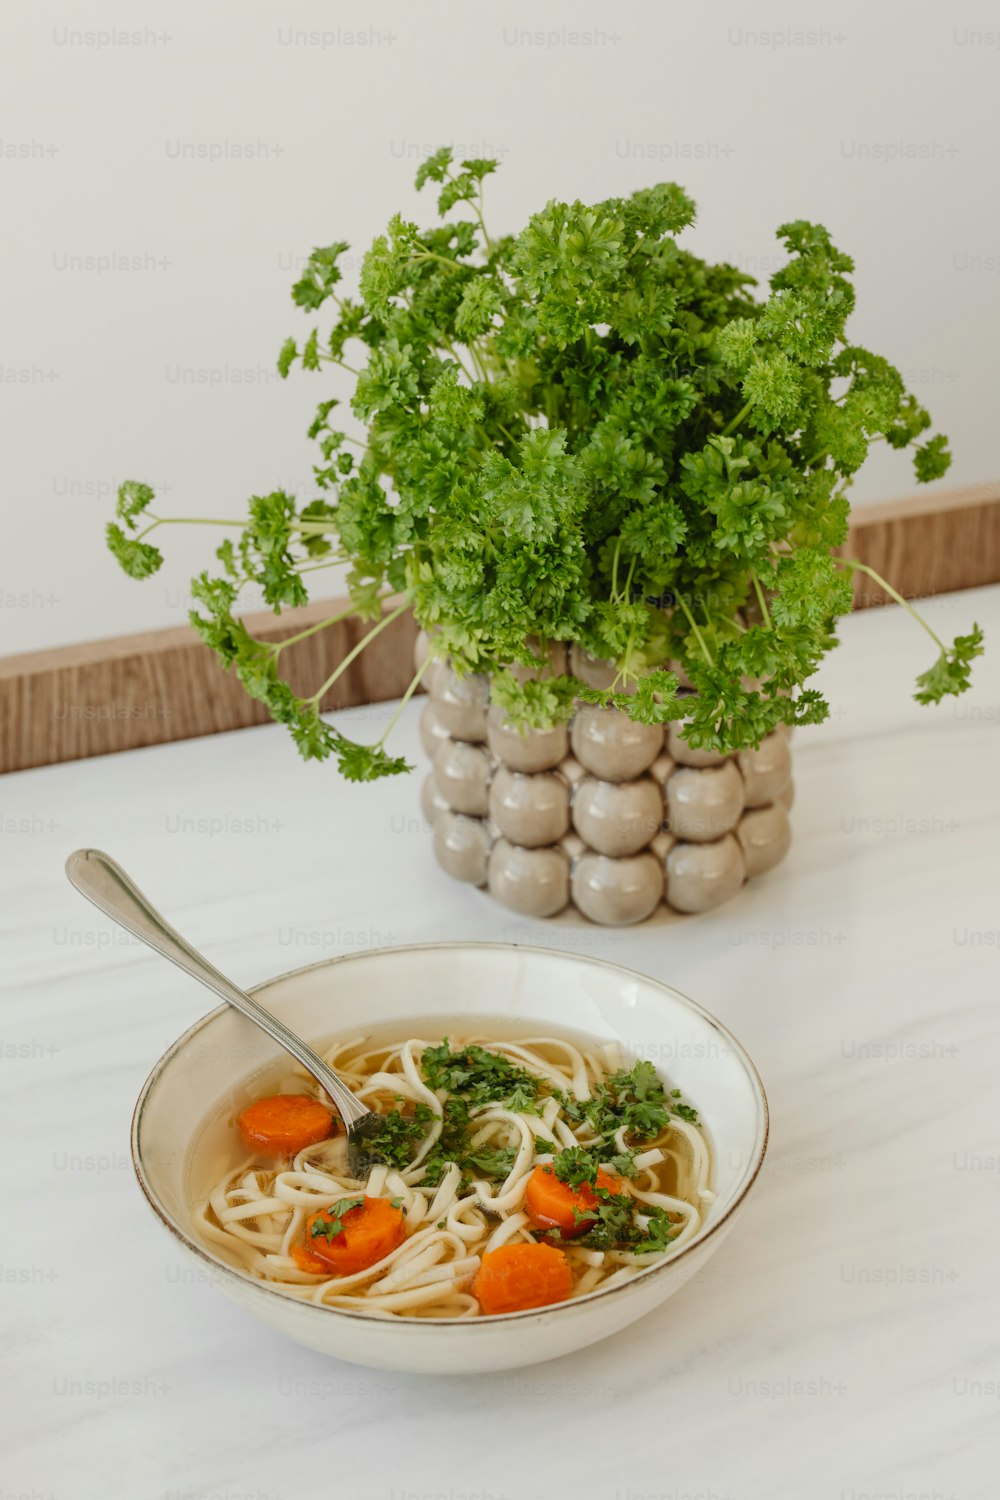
(605, 815)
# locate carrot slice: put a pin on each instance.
(285, 1123)
(367, 1231)
(307, 1261)
(552, 1204)
(514, 1277)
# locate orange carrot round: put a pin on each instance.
(306, 1260)
(285, 1123)
(514, 1277)
(553, 1204)
(367, 1231)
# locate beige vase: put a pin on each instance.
(605, 815)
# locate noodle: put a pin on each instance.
(256, 1215)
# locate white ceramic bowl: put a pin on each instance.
(207, 1068)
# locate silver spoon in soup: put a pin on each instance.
(103, 881)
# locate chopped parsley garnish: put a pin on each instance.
(633, 1099)
(396, 1137)
(330, 1224)
(576, 1165)
(613, 1224)
(612, 1218)
(611, 1221)
(480, 1077)
(473, 1077)
(497, 1163)
(453, 1146)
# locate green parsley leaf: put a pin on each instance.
(328, 1224)
(397, 1137)
(320, 276)
(950, 673)
(133, 499)
(287, 356)
(479, 1077)
(137, 559)
(634, 1100)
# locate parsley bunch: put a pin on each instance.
(580, 433)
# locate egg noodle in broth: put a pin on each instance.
(514, 1171)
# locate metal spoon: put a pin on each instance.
(105, 883)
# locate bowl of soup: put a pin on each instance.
(561, 1144)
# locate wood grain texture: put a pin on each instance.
(927, 544)
(164, 685)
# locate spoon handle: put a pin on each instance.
(98, 877)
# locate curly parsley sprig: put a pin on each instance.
(582, 433)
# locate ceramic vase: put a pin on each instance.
(613, 818)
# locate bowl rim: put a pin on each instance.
(255, 1284)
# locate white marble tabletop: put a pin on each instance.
(842, 1345)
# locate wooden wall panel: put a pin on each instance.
(930, 544)
(164, 685)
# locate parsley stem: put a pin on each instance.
(624, 672)
(333, 561)
(445, 260)
(482, 222)
(458, 359)
(477, 209)
(631, 571)
(414, 684)
(760, 597)
(331, 359)
(355, 652)
(477, 360)
(697, 633)
(614, 567)
(446, 341)
(184, 521)
(313, 629)
(739, 418)
(854, 565)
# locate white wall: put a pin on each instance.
(878, 119)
